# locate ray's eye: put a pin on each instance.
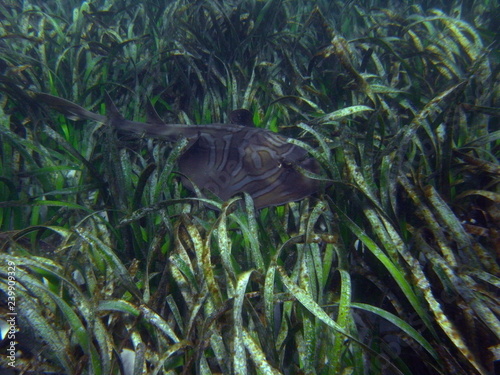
(282, 163)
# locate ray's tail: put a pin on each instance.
(155, 127)
(67, 108)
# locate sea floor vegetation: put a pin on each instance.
(108, 265)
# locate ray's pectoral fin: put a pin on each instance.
(290, 184)
(214, 165)
(261, 164)
(193, 164)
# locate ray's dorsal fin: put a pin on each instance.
(241, 117)
(111, 111)
(152, 116)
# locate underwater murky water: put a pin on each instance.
(249, 187)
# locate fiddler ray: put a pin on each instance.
(225, 159)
